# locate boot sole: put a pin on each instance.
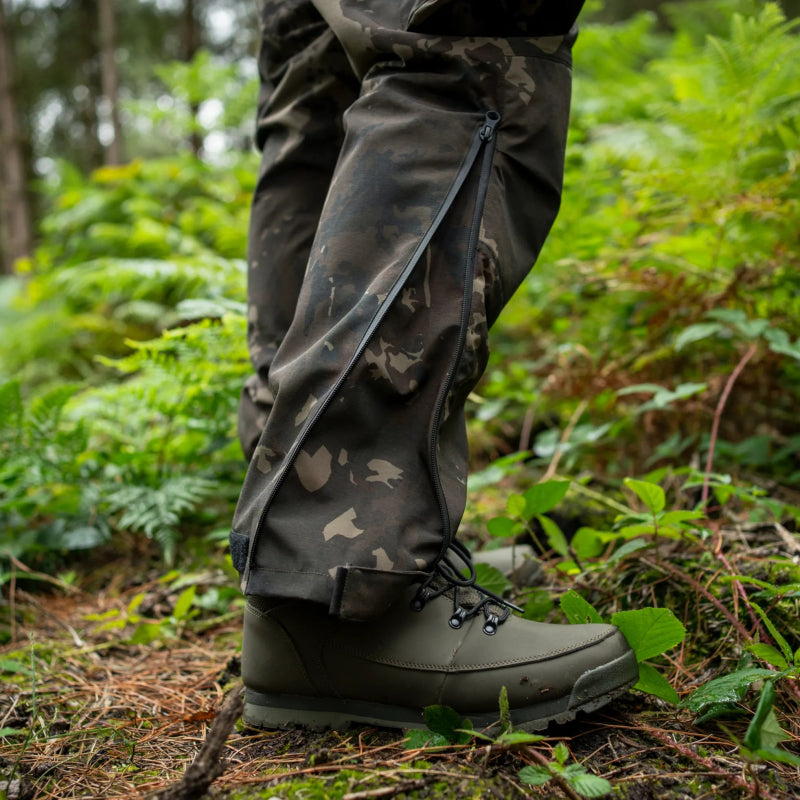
(594, 689)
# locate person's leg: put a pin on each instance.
(358, 481)
(447, 182)
(306, 85)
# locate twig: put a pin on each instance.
(208, 765)
(573, 421)
(723, 399)
(706, 763)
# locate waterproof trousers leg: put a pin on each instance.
(447, 179)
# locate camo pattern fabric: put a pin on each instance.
(387, 231)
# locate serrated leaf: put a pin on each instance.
(649, 631)
(726, 689)
(653, 682)
(534, 775)
(588, 785)
(694, 333)
(539, 499)
(561, 753)
(555, 536)
(768, 653)
(578, 610)
(651, 494)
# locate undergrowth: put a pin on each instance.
(637, 425)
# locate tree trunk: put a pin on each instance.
(14, 205)
(109, 77)
(190, 44)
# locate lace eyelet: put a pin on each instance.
(457, 620)
(491, 625)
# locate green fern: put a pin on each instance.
(156, 511)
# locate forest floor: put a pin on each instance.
(111, 693)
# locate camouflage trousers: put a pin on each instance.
(412, 166)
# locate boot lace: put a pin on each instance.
(469, 598)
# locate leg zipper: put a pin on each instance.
(483, 140)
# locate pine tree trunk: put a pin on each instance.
(14, 204)
(109, 77)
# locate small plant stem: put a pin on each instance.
(723, 399)
(12, 594)
(557, 779)
(573, 421)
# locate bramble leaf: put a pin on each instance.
(649, 631)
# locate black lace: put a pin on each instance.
(447, 577)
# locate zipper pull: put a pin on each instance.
(490, 122)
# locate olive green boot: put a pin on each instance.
(449, 643)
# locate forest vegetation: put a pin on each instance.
(638, 422)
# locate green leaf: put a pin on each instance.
(768, 653)
(651, 494)
(777, 754)
(8, 732)
(755, 737)
(678, 517)
(694, 333)
(539, 605)
(540, 498)
(535, 775)
(501, 526)
(561, 753)
(627, 548)
(515, 505)
(555, 537)
(146, 632)
(588, 785)
(184, 603)
(774, 632)
(505, 710)
(726, 689)
(586, 543)
(653, 682)
(578, 610)
(492, 579)
(448, 723)
(14, 666)
(649, 631)
(418, 739)
(517, 738)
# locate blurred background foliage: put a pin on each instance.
(674, 263)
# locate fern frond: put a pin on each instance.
(157, 511)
